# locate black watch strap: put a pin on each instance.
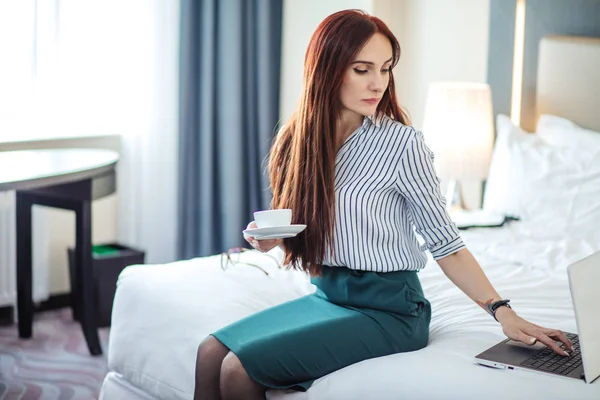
(492, 307)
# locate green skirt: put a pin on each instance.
(353, 316)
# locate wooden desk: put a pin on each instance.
(63, 178)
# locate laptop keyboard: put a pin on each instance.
(547, 360)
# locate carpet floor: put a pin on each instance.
(53, 364)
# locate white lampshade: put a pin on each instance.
(459, 129)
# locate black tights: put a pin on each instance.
(221, 376)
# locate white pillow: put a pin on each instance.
(563, 132)
(549, 188)
(558, 132)
(499, 195)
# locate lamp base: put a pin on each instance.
(454, 198)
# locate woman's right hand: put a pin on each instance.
(261, 245)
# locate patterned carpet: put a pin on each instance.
(54, 364)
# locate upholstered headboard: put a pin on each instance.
(568, 79)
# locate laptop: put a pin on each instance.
(584, 361)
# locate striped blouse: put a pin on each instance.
(386, 188)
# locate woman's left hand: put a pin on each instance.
(516, 328)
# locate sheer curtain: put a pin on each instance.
(17, 65)
(119, 75)
(148, 169)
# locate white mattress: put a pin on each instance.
(116, 387)
(161, 314)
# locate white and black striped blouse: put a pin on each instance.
(385, 187)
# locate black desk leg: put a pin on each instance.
(85, 276)
(75, 295)
(24, 285)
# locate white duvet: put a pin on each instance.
(162, 312)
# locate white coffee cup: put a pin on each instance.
(271, 218)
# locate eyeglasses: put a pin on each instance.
(232, 257)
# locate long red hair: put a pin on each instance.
(302, 158)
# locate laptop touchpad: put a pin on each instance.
(535, 347)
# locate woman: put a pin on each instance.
(361, 179)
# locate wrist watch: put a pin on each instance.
(492, 307)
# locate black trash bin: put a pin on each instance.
(108, 261)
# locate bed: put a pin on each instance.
(551, 179)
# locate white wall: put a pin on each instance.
(300, 19)
(60, 230)
(439, 40)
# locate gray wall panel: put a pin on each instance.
(500, 53)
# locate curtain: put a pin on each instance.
(229, 106)
(148, 168)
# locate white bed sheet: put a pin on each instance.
(162, 312)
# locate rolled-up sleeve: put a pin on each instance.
(420, 186)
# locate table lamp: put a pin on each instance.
(458, 127)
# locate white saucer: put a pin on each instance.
(275, 232)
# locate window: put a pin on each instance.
(74, 68)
